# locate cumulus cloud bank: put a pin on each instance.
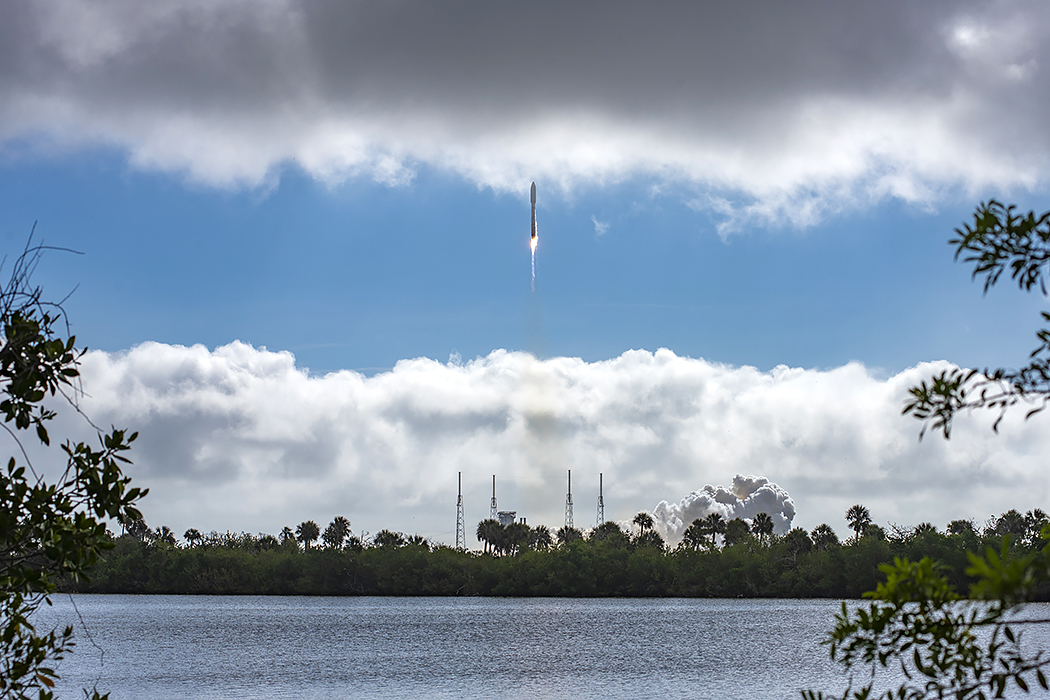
(241, 438)
(764, 110)
(746, 498)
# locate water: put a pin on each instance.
(167, 647)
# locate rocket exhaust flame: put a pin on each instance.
(535, 239)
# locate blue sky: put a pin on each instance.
(360, 275)
(305, 231)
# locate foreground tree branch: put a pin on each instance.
(997, 240)
(944, 646)
(48, 528)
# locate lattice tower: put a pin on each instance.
(568, 503)
(461, 530)
(600, 518)
(492, 504)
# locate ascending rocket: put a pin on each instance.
(533, 197)
(534, 241)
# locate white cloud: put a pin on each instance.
(240, 438)
(600, 227)
(775, 112)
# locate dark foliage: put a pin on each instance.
(608, 563)
(53, 508)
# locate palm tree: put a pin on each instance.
(858, 518)
(1010, 523)
(193, 535)
(565, 535)
(715, 525)
(797, 542)
(500, 540)
(266, 542)
(644, 521)
(389, 538)
(517, 536)
(1036, 518)
(823, 537)
(419, 541)
(488, 533)
(336, 532)
(695, 535)
(651, 539)
(541, 538)
(960, 527)
(762, 525)
(287, 536)
(137, 528)
(307, 532)
(1035, 521)
(736, 530)
(924, 529)
(164, 535)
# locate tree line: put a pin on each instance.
(715, 558)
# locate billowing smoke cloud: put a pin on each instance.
(241, 438)
(764, 111)
(746, 498)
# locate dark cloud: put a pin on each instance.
(765, 109)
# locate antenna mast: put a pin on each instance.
(568, 503)
(601, 504)
(492, 505)
(461, 532)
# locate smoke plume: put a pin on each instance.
(746, 498)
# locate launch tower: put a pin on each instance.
(461, 531)
(492, 504)
(600, 518)
(568, 503)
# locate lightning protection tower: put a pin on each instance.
(600, 518)
(568, 503)
(461, 531)
(492, 505)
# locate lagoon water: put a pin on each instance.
(168, 647)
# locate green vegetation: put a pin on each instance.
(945, 644)
(522, 561)
(998, 239)
(52, 508)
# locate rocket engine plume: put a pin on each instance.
(748, 496)
(535, 240)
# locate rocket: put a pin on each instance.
(533, 197)
(534, 241)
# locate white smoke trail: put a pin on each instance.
(746, 498)
(534, 269)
